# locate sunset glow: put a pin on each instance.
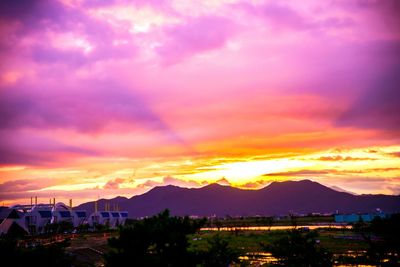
(107, 98)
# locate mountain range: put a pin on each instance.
(278, 198)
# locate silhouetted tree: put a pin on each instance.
(83, 228)
(58, 228)
(39, 255)
(383, 238)
(219, 253)
(269, 221)
(218, 224)
(299, 249)
(160, 240)
(293, 221)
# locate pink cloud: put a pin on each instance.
(193, 37)
(223, 181)
(169, 180)
(114, 184)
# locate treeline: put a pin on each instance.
(162, 240)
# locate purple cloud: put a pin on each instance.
(87, 109)
(377, 108)
(31, 12)
(22, 185)
(281, 17)
(92, 107)
(29, 149)
(106, 3)
(196, 36)
(41, 17)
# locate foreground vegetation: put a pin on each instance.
(165, 240)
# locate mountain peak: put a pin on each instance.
(292, 183)
(279, 198)
(169, 187)
(215, 185)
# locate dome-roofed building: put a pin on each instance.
(12, 223)
(79, 217)
(112, 219)
(62, 213)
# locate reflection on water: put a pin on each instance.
(275, 227)
(260, 258)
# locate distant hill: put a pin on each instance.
(278, 198)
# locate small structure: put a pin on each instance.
(353, 218)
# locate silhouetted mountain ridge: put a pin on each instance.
(278, 198)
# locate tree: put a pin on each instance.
(219, 253)
(39, 255)
(160, 240)
(269, 221)
(299, 249)
(58, 228)
(383, 238)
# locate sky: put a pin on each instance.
(100, 98)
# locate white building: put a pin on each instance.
(99, 217)
(38, 217)
(79, 217)
(123, 215)
(12, 221)
(34, 218)
(111, 218)
(61, 213)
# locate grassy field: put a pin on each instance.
(266, 221)
(336, 241)
(89, 248)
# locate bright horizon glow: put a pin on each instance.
(107, 98)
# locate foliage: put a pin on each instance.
(219, 253)
(83, 228)
(269, 222)
(299, 249)
(35, 255)
(383, 238)
(98, 227)
(160, 240)
(59, 228)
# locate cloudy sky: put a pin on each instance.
(100, 98)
